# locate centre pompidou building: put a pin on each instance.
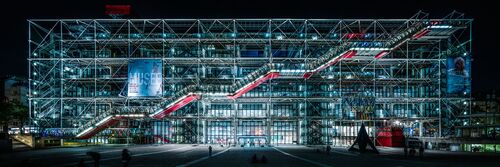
(249, 81)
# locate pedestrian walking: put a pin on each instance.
(126, 157)
(328, 149)
(210, 151)
(421, 151)
(254, 158)
(81, 163)
(405, 149)
(263, 159)
(95, 156)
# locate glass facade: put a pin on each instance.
(284, 132)
(248, 81)
(220, 132)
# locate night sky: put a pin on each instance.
(485, 75)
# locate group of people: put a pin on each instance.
(328, 149)
(256, 160)
(413, 151)
(97, 158)
(126, 157)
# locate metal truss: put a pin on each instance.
(286, 70)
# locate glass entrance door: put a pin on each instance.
(252, 141)
(252, 133)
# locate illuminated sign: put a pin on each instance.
(117, 9)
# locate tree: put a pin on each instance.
(5, 114)
(10, 111)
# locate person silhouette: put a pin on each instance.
(26, 163)
(421, 151)
(328, 149)
(254, 158)
(95, 156)
(81, 163)
(210, 151)
(263, 159)
(125, 157)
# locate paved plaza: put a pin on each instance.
(282, 155)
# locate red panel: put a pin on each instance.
(268, 76)
(421, 34)
(381, 54)
(384, 134)
(397, 141)
(384, 141)
(188, 99)
(390, 137)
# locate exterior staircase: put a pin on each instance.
(348, 49)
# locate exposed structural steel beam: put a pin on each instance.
(194, 92)
(415, 31)
(181, 102)
(254, 79)
(104, 123)
(269, 71)
(381, 54)
(251, 85)
(345, 55)
(421, 34)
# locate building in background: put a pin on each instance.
(15, 89)
(13, 92)
(482, 125)
(250, 81)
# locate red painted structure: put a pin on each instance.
(421, 34)
(381, 54)
(254, 84)
(346, 55)
(110, 122)
(354, 36)
(390, 137)
(192, 97)
(186, 100)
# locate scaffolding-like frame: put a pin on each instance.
(78, 69)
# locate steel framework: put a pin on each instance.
(306, 81)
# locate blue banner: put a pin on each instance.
(459, 80)
(145, 78)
